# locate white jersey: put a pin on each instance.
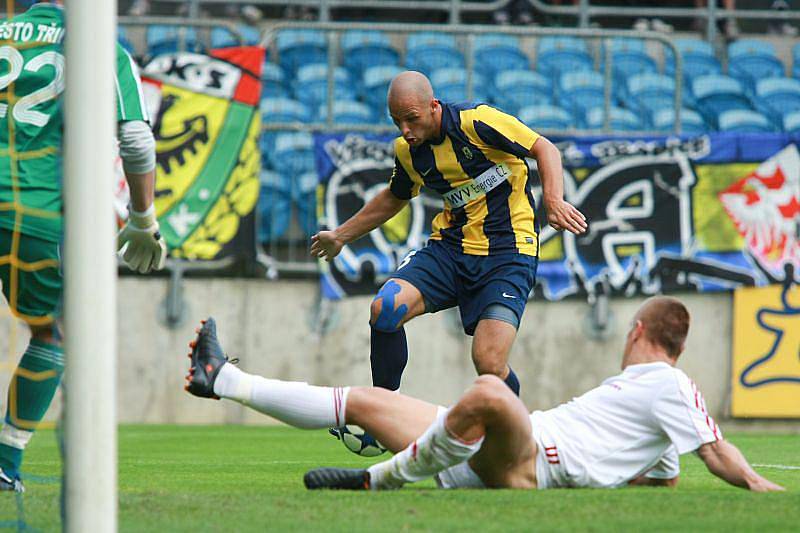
(633, 424)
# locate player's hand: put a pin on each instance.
(145, 248)
(562, 215)
(326, 245)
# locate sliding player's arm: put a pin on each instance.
(385, 205)
(726, 462)
(664, 474)
(145, 249)
(561, 215)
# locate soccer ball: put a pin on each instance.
(359, 442)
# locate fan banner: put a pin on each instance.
(706, 213)
(766, 344)
(204, 113)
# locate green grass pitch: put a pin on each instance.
(231, 478)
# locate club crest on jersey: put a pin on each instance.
(467, 152)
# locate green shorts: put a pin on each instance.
(32, 280)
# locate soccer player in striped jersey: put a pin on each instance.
(32, 69)
(484, 248)
(628, 431)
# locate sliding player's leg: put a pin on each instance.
(394, 419)
(487, 415)
(32, 286)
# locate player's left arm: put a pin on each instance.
(725, 461)
(665, 472)
(561, 215)
(644, 481)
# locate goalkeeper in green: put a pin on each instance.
(31, 123)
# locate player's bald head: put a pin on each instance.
(666, 323)
(409, 87)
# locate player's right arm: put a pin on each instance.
(726, 462)
(385, 205)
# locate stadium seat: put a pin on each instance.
(362, 49)
(580, 91)
(621, 120)
(546, 117)
(450, 85)
(691, 121)
(277, 110)
(274, 206)
(293, 153)
(796, 60)
(555, 55)
(273, 81)
(698, 60)
(347, 112)
(628, 58)
(427, 51)
(301, 47)
(751, 60)
(744, 121)
(167, 39)
(311, 84)
(304, 197)
(649, 91)
(791, 122)
(515, 89)
(716, 94)
(497, 52)
(122, 36)
(375, 84)
(777, 96)
(223, 37)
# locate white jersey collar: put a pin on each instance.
(642, 368)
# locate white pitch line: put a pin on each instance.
(778, 467)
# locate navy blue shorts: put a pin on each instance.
(447, 278)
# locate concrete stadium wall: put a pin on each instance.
(268, 325)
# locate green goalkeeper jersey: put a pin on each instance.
(31, 118)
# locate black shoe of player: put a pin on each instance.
(207, 358)
(9, 484)
(337, 479)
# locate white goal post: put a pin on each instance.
(90, 267)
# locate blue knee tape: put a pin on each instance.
(390, 318)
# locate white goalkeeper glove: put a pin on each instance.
(146, 249)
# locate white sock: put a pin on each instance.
(298, 404)
(434, 451)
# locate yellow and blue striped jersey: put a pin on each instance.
(478, 167)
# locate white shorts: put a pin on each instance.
(550, 472)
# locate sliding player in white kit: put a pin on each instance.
(629, 430)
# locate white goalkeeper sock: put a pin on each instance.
(298, 404)
(434, 451)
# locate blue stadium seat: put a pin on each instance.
(428, 51)
(745, 121)
(223, 38)
(519, 88)
(168, 39)
(556, 55)
(628, 58)
(650, 91)
(293, 153)
(450, 85)
(580, 91)
(698, 60)
(362, 49)
(751, 60)
(122, 37)
(716, 94)
(273, 81)
(496, 52)
(347, 112)
(791, 122)
(301, 47)
(621, 120)
(777, 96)
(375, 84)
(275, 110)
(311, 84)
(304, 196)
(796, 60)
(274, 206)
(546, 117)
(691, 121)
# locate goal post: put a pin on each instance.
(90, 268)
